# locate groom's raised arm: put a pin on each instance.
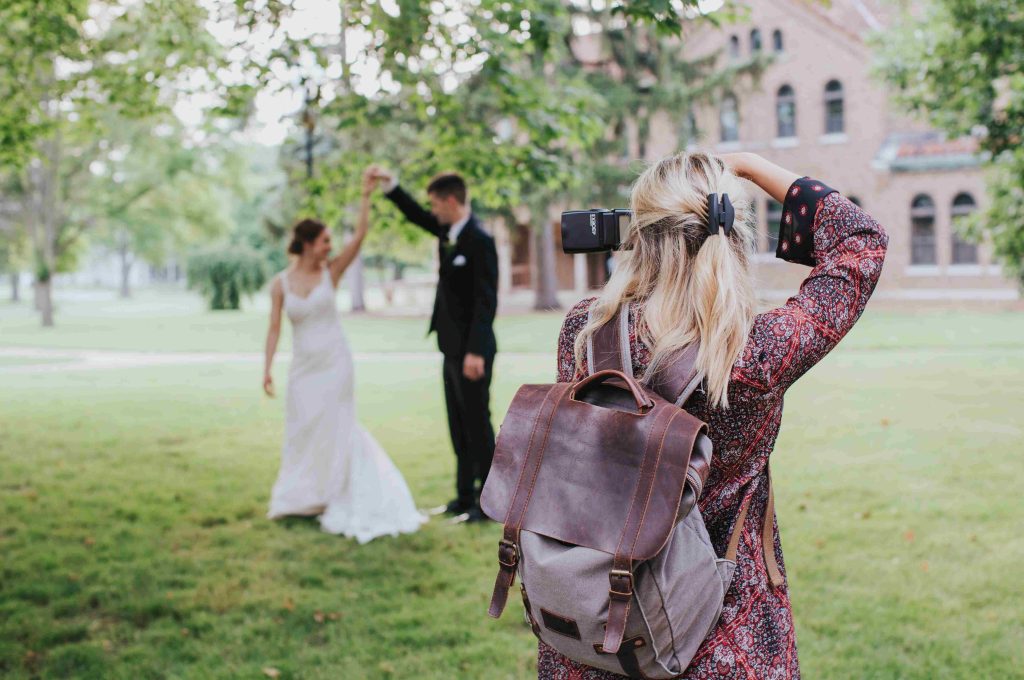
(413, 211)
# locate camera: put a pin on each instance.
(595, 230)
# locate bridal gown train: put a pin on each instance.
(330, 465)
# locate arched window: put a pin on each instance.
(729, 117)
(755, 41)
(734, 47)
(834, 107)
(777, 41)
(963, 251)
(774, 217)
(922, 230)
(785, 112)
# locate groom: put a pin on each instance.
(463, 317)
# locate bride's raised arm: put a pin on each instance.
(342, 260)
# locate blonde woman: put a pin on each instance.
(331, 466)
(684, 285)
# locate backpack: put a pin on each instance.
(597, 484)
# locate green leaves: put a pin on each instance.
(224, 275)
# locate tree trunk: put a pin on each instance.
(126, 272)
(357, 284)
(15, 287)
(44, 300)
(547, 281)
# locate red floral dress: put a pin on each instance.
(754, 638)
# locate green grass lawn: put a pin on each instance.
(133, 543)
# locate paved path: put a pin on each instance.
(63, 360)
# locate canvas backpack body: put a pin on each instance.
(597, 483)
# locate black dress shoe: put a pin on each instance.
(455, 507)
(473, 515)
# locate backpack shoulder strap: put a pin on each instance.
(608, 346)
(678, 379)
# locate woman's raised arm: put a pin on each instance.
(340, 263)
(846, 248)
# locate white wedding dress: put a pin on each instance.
(330, 465)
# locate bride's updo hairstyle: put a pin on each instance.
(694, 285)
(304, 231)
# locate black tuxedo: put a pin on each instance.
(463, 318)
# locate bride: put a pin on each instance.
(330, 465)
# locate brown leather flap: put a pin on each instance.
(590, 471)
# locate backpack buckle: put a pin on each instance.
(508, 553)
(621, 582)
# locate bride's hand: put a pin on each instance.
(370, 179)
(268, 385)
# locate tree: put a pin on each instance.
(224, 275)
(136, 192)
(960, 63)
(13, 255)
(70, 65)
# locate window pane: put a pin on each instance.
(730, 119)
(963, 251)
(777, 41)
(834, 107)
(755, 40)
(785, 112)
(922, 240)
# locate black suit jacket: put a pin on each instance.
(467, 289)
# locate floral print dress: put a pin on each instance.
(754, 638)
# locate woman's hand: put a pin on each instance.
(370, 178)
(268, 384)
(773, 179)
(738, 163)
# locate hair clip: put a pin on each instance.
(720, 214)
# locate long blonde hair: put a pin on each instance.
(694, 287)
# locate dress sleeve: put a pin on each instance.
(846, 248)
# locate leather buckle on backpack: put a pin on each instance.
(619, 578)
(508, 553)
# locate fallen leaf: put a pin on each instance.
(89, 541)
(107, 645)
(885, 422)
(271, 672)
(924, 566)
(334, 616)
(909, 536)
(318, 617)
(170, 595)
(288, 604)
(865, 515)
(185, 632)
(820, 543)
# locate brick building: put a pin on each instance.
(816, 109)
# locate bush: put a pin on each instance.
(224, 275)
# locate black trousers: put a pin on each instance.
(469, 421)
